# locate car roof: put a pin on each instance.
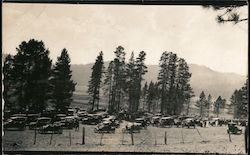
(138, 119)
(17, 117)
(40, 118)
(166, 118)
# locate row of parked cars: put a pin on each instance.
(43, 124)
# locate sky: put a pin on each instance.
(84, 30)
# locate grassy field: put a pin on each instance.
(152, 139)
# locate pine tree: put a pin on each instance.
(152, 95)
(144, 95)
(95, 81)
(141, 69)
(32, 70)
(239, 102)
(209, 104)
(108, 85)
(118, 79)
(234, 106)
(183, 89)
(62, 84)
(8, 84)
(201, 104)
(163, 80)
(173, 80)
(130, 82)
(218, 105)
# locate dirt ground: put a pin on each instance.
(152, 139)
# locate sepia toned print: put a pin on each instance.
(125, 78)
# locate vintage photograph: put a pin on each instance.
(125, 78)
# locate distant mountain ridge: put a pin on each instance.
(203, 79)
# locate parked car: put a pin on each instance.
(155, 120)
(142, 122)
(90, 120)
(243, 122)
(216, 122)
(104, 127)
(189, 122)
(132, 127)
(17, 122)
(40, 122)
(70, 112)
(32, 118)
(114, 122)
(69, 122)
(177, 122)
(166, 122)
(55, 128)
(234, 128)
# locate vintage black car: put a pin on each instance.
(243, 122)
(155, 120)
(166, 122)
(142, 121)
(104, 127)
(90, 120)
(32, 118)
(18, 123)
(113, 121)
(132, 128)
(189, 122)
(234, 129)
(39, 123)
(69, 122)
(55, 128)
(177, 122)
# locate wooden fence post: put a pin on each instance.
(101, 139)
(83, 135)
(51, 138)
(165, 138)
(182, 136)
(35, 137)
(132, 138)
(69, 138)
(155, 140)
(229, 135)
(122, 137)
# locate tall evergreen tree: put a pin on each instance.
(201, 104)
(109, 85)
(32, 70)
(8, 83)
(95, 81)
(239, 102)
(141, 69)
(183, 89)
(219, 104)
(62, 84)
(209, 104)
(118, 79)
(163, 80)
(130, 82)
(173, 80)
(144, 95)
(152, 95)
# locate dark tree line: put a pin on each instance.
(123, 81)
(31, 82)
(123, 84)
